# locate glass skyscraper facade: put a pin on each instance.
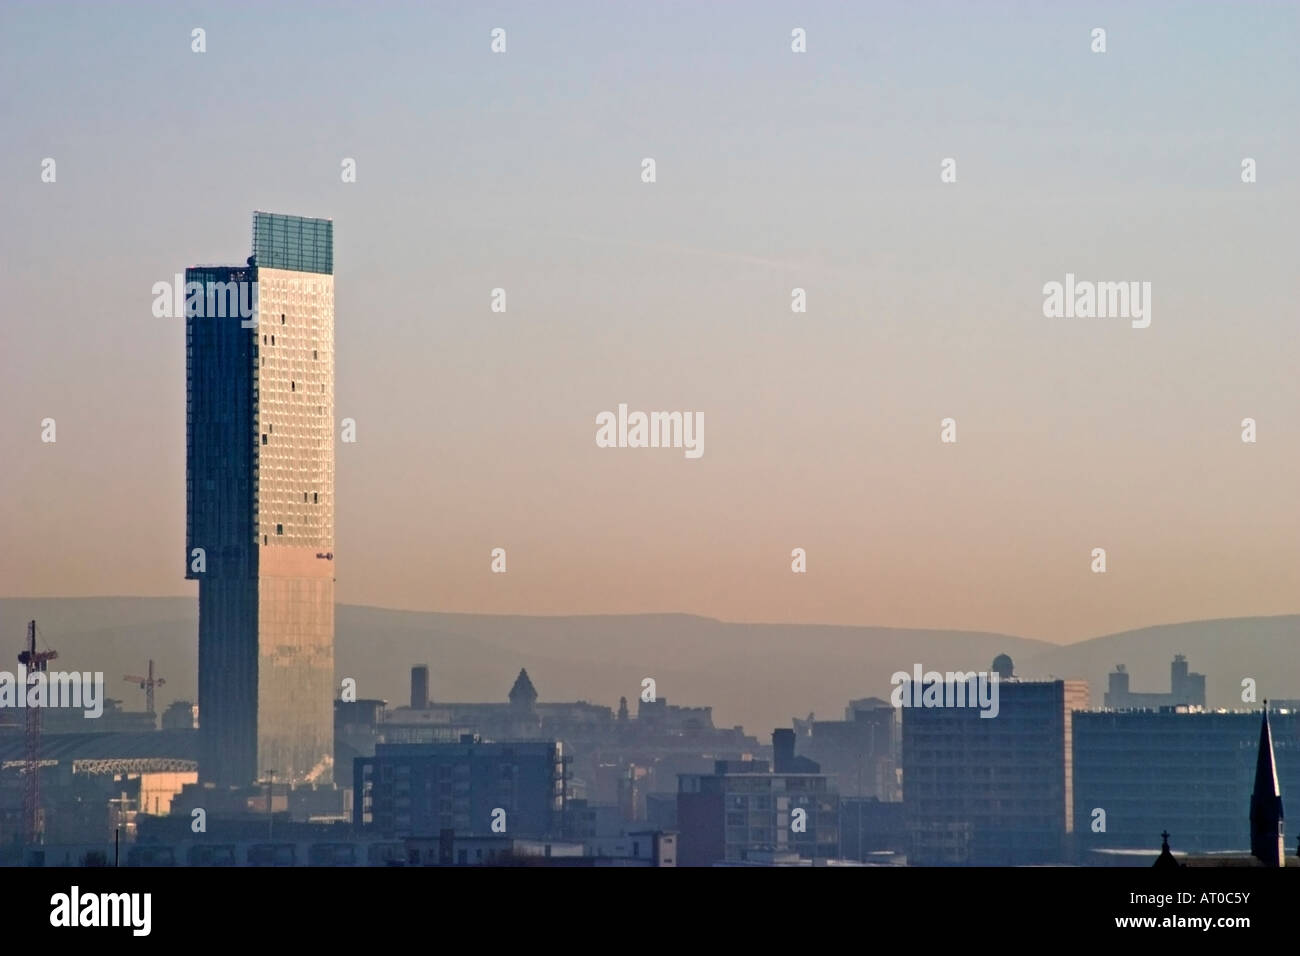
(260, 505)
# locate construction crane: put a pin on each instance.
(146, 684)
(34, 662)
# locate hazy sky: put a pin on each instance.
(775, 170)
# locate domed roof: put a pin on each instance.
(523, 692)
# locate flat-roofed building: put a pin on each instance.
(992, 790)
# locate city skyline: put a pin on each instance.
(861, 437)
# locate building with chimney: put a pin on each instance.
(746, 810)
(615, 760)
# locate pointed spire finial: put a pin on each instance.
(1266, 814)
(1165, 859)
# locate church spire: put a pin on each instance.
(1166, 858)
(1266, 837)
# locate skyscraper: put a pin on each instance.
(260, 503)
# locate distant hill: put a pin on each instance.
(1264, 648)
(758, 675)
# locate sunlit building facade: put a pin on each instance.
(260, 504)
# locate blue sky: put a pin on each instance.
(775, 170)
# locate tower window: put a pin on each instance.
(264, 439)
(313, 498)
(279, 529)
(282, 318)
(263, 339)
(304, 496)
(293, 387)
(313, 353)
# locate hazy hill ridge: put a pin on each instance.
(759, 675)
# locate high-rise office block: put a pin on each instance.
(1180, 769)
(993, 791)
(260, 503)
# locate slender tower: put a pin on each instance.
(1266, 825)
(260, 503)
